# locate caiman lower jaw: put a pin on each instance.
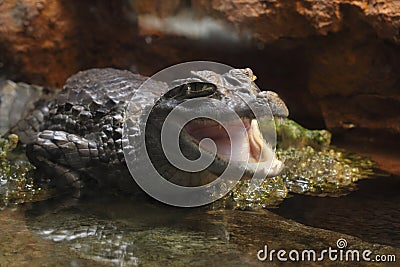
(245, 146)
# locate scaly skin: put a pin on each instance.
(78, 134)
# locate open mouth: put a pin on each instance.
(244, 144)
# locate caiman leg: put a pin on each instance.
(52, 151)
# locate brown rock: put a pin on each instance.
(158, 8)
(273, 19)
(334, 62)
(353, 71)
(355, 76)
(33, 40)
(46, 41)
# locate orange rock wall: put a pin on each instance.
(336, 63)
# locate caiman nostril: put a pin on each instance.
(268, 94)
(262, 94)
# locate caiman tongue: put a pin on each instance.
(246, 144)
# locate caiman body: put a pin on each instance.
(75, 137)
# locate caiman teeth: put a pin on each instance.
(259, 148)
(256, 133)
(280, 120)
(255, 146)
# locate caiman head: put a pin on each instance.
(228, 111)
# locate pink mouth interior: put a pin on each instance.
(243, 134)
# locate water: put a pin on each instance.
(371, 213)
(40, 228)
(138, 231)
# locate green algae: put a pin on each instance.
(290, 134)
(332, 171)
(17, 183)
(7, 145)
(312, 166)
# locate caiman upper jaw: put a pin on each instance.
(277, 106)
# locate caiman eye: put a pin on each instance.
(191, 90)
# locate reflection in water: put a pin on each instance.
(131, 231)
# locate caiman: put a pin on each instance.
(75, 136)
